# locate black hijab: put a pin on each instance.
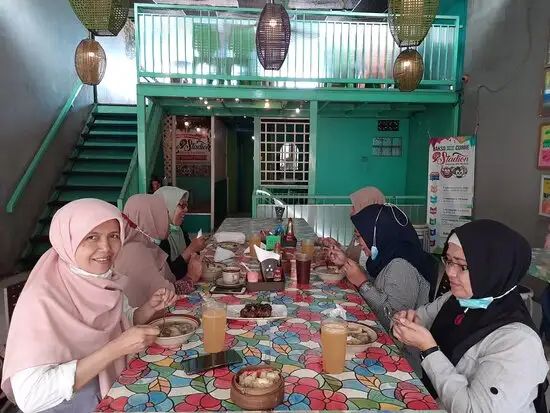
(394, 239)
(497, 258)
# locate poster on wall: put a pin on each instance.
(544, 146)
(451, 171)
(544, 201)
(192, 154)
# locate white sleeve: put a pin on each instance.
(39, 388)
(128, 311)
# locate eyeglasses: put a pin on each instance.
(448, 264)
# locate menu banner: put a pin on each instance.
(451, 171)
(193, 152)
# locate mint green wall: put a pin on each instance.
(457, 8)
(345, 162)
(436, 121)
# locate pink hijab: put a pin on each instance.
(141, 260)
(61, 316)
(365, 197)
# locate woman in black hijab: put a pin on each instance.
(482, 352)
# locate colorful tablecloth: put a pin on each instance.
(379, 378)
(302, 230)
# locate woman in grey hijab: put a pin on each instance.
(183, 257)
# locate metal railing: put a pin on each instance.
(329, 216)
(48, 139)
(216, 46)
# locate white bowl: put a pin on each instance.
(328, 276)
(352, 349)
(176, 340)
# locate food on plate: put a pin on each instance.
(212, 266)
(176, 329)
(260, 378)
(359, 334)
(256, 311)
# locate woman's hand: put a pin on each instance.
(134, 340)
(337, 256)
(410, 315)
(354, 273)
(197, 244)
(195, 268)
(413, 334)
(161, 299)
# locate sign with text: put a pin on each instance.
(451, 167)
(193, 151)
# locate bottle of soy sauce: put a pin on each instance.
(289, 237)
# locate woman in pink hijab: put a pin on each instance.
(142, 260)
(70, 330)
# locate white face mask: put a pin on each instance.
(363, 257)
(83, 273)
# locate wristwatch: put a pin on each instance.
(426, 353)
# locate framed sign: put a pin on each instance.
(545, 94)
(544, 147)
(544, 201)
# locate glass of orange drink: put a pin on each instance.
(214, 323)
(308, 247)
(334, 337)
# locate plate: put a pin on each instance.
(352, 349)
(278, 311)
(221, 283)
(330, 273)
(231, 246)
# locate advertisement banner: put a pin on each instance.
(451, 171)
(192, 154)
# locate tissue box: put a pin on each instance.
(271, 241)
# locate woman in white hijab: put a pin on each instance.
(183, 257)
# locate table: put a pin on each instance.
(379, 379)
(302, 230)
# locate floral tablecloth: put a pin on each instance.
(378, 379)
(302, 230)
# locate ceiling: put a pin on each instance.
(367, 6)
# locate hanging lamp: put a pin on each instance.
(90, 62)
(273, 36)
(408, 70)
(410, 20)
(102, 17)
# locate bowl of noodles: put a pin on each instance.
(175, 330)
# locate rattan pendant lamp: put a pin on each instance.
(90, 62)
(102, 17)
(273, 36)
(408, 70)
(410, 20)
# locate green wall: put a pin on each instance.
(345, 162)
(436, 121)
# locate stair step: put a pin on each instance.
(105, 166)
(114, 127)
(106, 143)
(119, 155)
(114, 181)
(114, 109)
(115, 121)
(113, 132)
(106, 194)
(109, 138)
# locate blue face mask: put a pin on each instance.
(480, 303)
(373, 253)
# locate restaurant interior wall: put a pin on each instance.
(500, 55)
(37, 65)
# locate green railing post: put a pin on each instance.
(50, 136)
(141, 143)
(313, 119)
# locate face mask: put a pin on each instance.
(174, 228)
(373, 253)
(83, 273)
(480, 303)
(363, 258)
(155, 241)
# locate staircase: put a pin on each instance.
(97, 168)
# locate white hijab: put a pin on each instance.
(172, 196)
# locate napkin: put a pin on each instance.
(237, 237)
(247, 250)
(199, 233)
(263, 255)
(222, 254)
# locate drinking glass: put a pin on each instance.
(334, 337)
(214, 323)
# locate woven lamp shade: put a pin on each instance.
(408, 70)
(410, 20)
(90, 62)
(273, 36)
(102, 17)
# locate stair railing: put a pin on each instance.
(50, 136)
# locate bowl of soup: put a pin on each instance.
(175, 330)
